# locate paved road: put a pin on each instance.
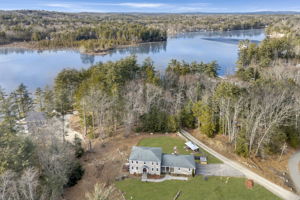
(218, 170)
(272, 187)
(294, 162)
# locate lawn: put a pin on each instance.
(219, 188)
(167, 143)
(214, 188)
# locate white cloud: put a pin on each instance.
(142, 5)
(131, 6)
(59, 5)
(125, 4)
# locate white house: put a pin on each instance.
(145, 160)
(151, 160)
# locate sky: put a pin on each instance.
(153, 6)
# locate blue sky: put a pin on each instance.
(175, 6)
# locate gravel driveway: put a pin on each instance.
(218, 170)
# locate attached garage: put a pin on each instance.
(178, 164)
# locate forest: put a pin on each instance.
(96, 32)
(257, 109)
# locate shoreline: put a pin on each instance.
(31, 46)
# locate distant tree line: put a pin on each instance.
(97, 32)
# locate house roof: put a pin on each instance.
(191, 145)
(146, 153)
(35, 116)
(184, 161)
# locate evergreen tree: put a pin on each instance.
(204, 114)
(23, 100)
(7, 110)
(38, 100)
(49, 101)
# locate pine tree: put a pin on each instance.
(23, 100)
(39, 100)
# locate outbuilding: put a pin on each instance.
(192, 146)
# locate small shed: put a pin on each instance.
(192, 146)
(203, 160)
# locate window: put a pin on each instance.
(157, 163)
(189, 169)
(178, 168)
(156, 169)
(152, 163)
(137, 168)
(137, 162)
(144, 163)
(132, 161)
(131, 167)
(152, 169)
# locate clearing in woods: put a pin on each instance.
(210, 188)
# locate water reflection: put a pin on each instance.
(238, 34)
(154, 47)
(5, 51)
(229, 40)
(87, 59)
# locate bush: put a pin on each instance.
(293, 137)
(204, 113)
(187, 118)
(75, 174)
(277, 140)
(248, 74)
(242, 147)
(79, 151)
(172, 124)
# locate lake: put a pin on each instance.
(38, 68)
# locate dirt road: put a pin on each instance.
(272, 187)
(294, 163)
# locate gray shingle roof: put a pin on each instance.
(146, 154)
(184, 161)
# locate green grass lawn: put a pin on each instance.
(167, 143)
(215, 188)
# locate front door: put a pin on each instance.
(167, 169)
(145, 170)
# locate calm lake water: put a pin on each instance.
(38, 68)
